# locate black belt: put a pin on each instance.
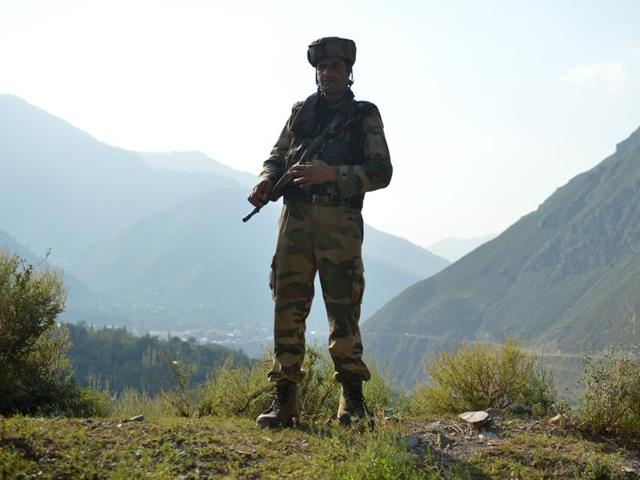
(326, 199)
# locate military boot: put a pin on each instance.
(352, 407)
(284, 407)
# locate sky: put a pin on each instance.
(488, 106)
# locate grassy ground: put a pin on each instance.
(234, 448)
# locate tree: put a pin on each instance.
(36, 376)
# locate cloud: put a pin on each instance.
(613, 75)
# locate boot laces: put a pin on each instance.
(281, 396)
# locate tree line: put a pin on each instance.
(115, 358)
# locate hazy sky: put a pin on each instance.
(489, 106)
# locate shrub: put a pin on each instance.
(29, 304)
(479, 376)
(244, 391)
(610, 401)
(36, 375)
(236, 391)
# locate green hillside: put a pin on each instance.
(559, 279)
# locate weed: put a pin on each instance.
(182, 398)
(133, 402)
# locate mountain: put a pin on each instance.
(454, 248)
(559, 279)
(159, 248)
(63, 190)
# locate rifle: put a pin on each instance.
(286, 179)
(277, 190)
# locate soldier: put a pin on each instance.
(321, 226)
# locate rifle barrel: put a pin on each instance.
(253, 212)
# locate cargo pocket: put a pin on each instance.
(272, 278)
(357, 281)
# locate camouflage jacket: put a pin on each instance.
(355, 145)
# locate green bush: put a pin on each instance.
(610, 400)
(244, 391)
(479, 376)
(36, 375)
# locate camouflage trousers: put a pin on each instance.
(327, 239)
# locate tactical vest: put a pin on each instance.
(342, 145)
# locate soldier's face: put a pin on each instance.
(332, 75)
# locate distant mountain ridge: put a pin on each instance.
(558, 279)
(454, 248)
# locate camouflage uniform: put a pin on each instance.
(322, 230)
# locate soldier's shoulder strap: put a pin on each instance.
(364, 108)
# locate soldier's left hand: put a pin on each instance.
(314, 173)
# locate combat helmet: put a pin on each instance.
(332, 47)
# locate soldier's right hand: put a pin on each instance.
(261, 192)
